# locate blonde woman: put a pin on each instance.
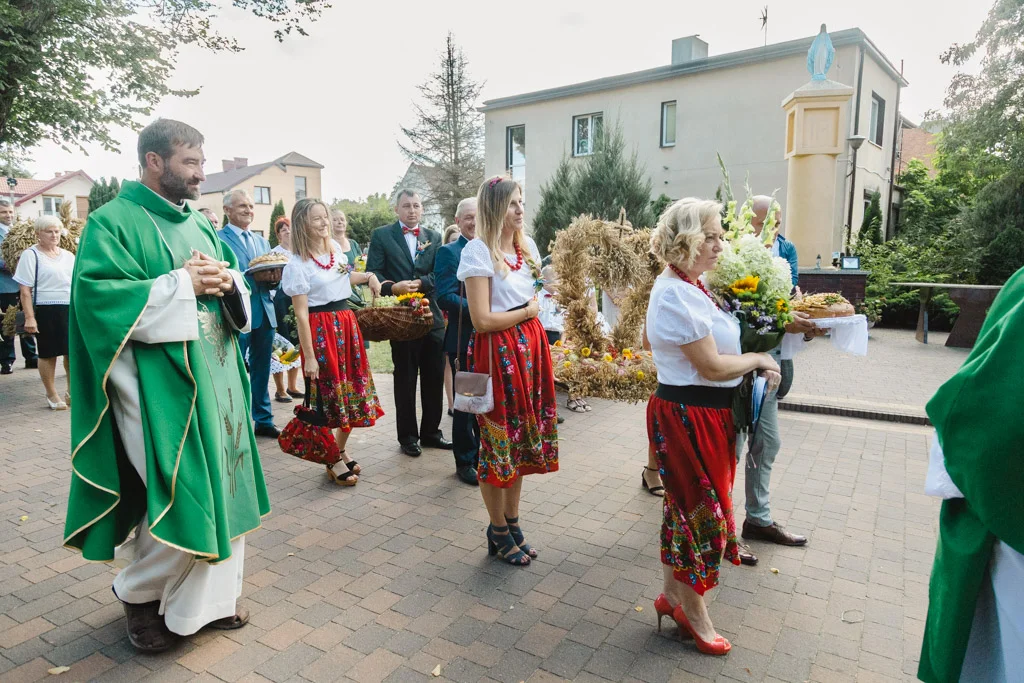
(44, 283)
(696, 348)
(319, 280)
(519, 436)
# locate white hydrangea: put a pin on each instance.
(747, 255)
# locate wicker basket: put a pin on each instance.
(393, 323)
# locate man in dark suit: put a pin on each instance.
(401, 255)
(247, 245)
(451, 298)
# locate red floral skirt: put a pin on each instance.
(520, 436)
(696, 449)
(344, 383)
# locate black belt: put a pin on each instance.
(694, 395)
(331, 307)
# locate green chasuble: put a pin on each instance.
(205, 484)
(977, 415)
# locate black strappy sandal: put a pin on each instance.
(500, 543)
(658, 490)
(352, 465)
(517, 535)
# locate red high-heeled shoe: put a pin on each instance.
(718, 647)
(664, 608)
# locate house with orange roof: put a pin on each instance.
(33, 198)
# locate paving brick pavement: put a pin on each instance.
(899, 374)
(390, 579)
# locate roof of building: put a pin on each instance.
(224, 181)
(27, 188)
(852, 36)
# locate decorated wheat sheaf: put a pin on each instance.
(615, 257)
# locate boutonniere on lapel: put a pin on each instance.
(421, 247)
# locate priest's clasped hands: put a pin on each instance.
(209, 276)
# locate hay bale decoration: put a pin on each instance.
(22, 235)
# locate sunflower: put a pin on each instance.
(585, 352)
(745, 285)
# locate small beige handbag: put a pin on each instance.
(472, 390)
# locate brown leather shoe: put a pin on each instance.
(240, 619)
(146, 629)
(773, 534)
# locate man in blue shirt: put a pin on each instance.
(767, 442)
(451, 299)
(8, 298)
(247, 245)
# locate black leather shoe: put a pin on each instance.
(269, 431)
(413, 450)
(467, 475)
(5, 369)
(440, 442)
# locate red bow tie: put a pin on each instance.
(415, 231)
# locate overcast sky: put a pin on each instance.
(340, 95)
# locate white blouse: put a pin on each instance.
(303, 276)
(514, 289)
(54, 285)
(679, 313)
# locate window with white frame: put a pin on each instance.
(300, 187)
(586, 133)
(877, 119)
(668, 124)
(51, 205)
(261, 195)
(515, 153)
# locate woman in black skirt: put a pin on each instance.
(44, 278)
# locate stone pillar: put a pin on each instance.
(816, 125)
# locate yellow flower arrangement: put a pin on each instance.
(410, 295)
(585, 352)
(745, 285)
(607, 358)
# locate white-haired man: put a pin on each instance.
(247, 245)
(465, 428)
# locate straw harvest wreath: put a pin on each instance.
(616, 258)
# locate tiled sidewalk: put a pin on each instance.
(391, 579)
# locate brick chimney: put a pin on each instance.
(233, 164)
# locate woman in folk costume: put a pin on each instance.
(161, 440)
(519, 436)
(696, 348)
(319, 279)
(975, 625)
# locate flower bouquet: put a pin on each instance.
(625, 375)
(396, 318)
(752, 284)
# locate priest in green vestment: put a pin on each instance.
(161, 440)
(975, 625)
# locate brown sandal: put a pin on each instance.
(238, 620)
(344, 479)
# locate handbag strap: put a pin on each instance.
(35, 284)
(458, 351)
(319, 400)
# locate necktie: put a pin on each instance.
(247, 239)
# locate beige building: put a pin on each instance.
(678, 117)
(34, 198)
(288, 178)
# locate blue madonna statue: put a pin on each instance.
(820, 56)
